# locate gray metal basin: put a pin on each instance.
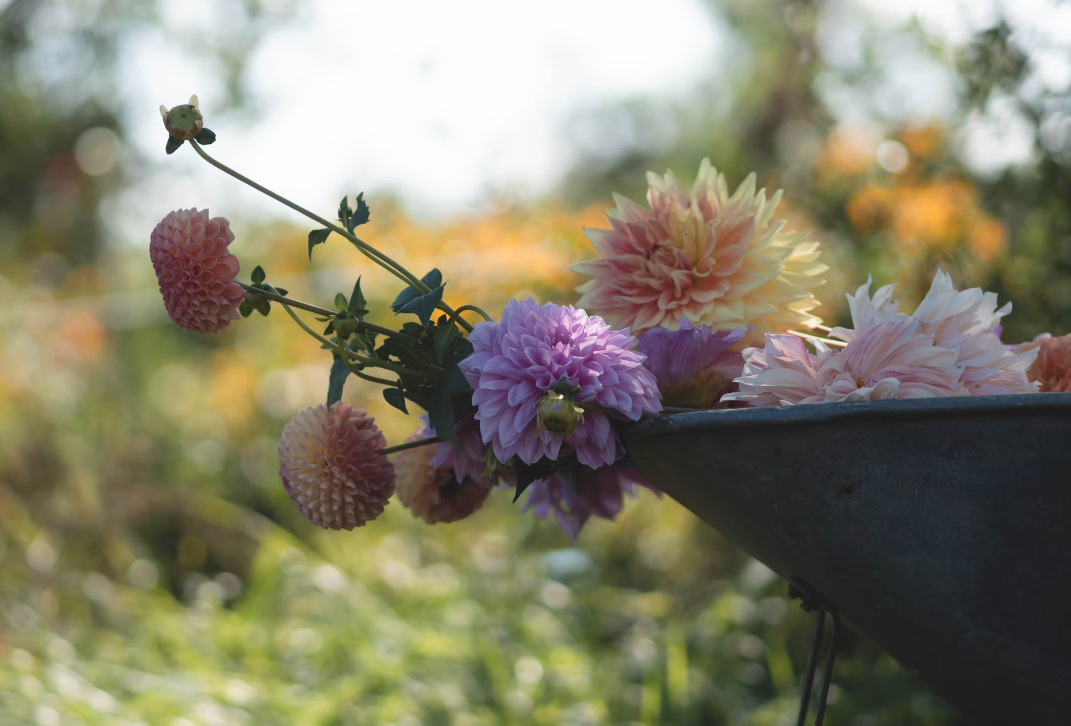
(939, 528)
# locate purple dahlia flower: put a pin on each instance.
(577, 493)
(693, 366)
(550, 377)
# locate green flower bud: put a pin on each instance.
(183, 122)
(558, 414)
(346, 326)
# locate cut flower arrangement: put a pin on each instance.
(702, 299)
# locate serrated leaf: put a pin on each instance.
(257, 275)
(361, 215)
(424, 305)
(340, 302)
(441, 414)
(205, 137)
(396, 398)
(432, 280)
(173, 144)
(336, 381)
(357, 301)
(317, 237)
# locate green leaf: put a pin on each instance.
(432, 280)
(424, 306)
(455, 380)
(317, 237)
(528, 473)
(361, 215)
(357, 301)
(257, 276)
(330, 328)
(340, 302)
(281, 291)
(206, 137)
(336, 381)
(344, 212)
(442, 337)
(396, 398)
(173, 144)
(441, 414)
(245, 309)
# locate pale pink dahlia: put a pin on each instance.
(1052, 369)
(195, 270)
(966, 321)
(693, 366)
(330, 468)
(547, 381)
(578, 493)
(428, 483)
(949, 347)
(707, 256)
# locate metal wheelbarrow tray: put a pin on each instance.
(939, 528)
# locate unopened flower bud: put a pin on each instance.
(345, 326)
(558, 414)
(183, 122)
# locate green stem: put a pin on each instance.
(350, 355)
(409, 445)
(368, 250)
(474, 309)
(319, 310)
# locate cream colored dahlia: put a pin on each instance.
(435, 493)
(329, 466)
(711, 257)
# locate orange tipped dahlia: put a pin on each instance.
(708, 256)
(1052, 368)
(433, 493)
(195, 270)
(330, 468)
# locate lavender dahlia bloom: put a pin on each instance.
(693, 366)
(577, 493)
(547, 380)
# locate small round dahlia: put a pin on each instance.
(693, 366)
(578, 493)
(703, 255)
(560, 356)
(195, 270)
(330, 468)
(431, 489)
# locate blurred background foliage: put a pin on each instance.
(153, 570)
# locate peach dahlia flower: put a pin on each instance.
(330, 468)
(1052, 369)
(704, 255)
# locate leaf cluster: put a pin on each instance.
(349, 218)
(253, 301)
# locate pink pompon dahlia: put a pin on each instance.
(547, 380)
(693, 366)
(429, 483)
(578, 493)
(949, 347)
(1052, 369)
(706, 255)
(195, 270)
(329, 464)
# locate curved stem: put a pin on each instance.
(474, 309)
(318, 310)
(409, 445)
(368, 250)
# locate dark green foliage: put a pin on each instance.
(205, 137)
(339, 373)
(173, 144)
(359, 216)
(396, 398)
(317, 237)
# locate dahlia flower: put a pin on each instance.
(966, 321)
(429, 484)
(330, 468)
(693, 366)
(949, 347)
(575, 494)
(1052, 369)
(705, 256)
(195, 270)
(547, 381)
